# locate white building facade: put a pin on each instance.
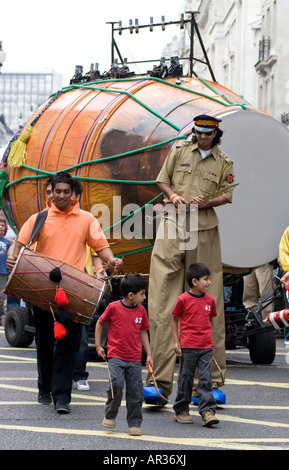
(247, 45)
(272, 66)
(21, 94)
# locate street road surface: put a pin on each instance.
(255, 417)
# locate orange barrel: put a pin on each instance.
(115, 135)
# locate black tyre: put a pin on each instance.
(16, 320)
(262, 348)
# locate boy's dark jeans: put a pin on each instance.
(130, 373)
(192, 359)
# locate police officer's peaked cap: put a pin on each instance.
(206, 123)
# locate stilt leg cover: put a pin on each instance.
(219, 396)
(151, 397)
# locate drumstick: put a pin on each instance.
(110, 381)
(284, 283)
(219, 369)
(15, 246)
(108, 285)
(15, 242)
(51, 310)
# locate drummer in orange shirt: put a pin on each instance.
(64, 236)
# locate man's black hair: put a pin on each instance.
(62, 177)
(132, 283)
(196, 271)
(78, 188)
(48, 182)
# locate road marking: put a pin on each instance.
(262, 384)
(78, 403)
(18, 387)
(101, 399)
(35, 390)
(244, 383)
(17, 358)
(239, 352)
(223, 443)
(16, 348)
(35, 379)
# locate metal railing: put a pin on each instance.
(264, 48)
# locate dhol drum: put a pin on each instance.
(30, 281)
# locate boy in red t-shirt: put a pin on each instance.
(195, 310)
(127, 333)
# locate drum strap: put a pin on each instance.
(39, 222)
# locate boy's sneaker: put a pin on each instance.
(82, 385)
(209, 418)
(184, 417)
(108, 423)
(135, 431)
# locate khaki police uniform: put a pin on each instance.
(189, 175)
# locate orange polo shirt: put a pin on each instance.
(64, 235)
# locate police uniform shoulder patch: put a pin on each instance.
(185, 143)
(230, 178)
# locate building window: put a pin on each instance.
(22, 94)
(264, 48)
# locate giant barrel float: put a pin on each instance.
(114, 135)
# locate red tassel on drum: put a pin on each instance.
(61, 298)
(59, 330)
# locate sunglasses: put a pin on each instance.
(207, 133)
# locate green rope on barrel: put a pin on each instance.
(45, 174)
(126, 154)
(3, 181)
(141, 250)
(133, 213)
(99, 180)
(223, 96)
(160, 80)
(17, 153)
(124, 92)
(16, 158)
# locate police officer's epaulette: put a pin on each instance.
(184, 143)
(224, 156)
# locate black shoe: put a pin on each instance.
(61, 407)
(44, 398)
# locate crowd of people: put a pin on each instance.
(185, 291)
